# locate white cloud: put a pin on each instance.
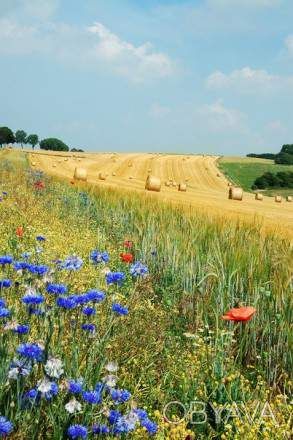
(219, 118)
(159, 111)
(95, 47)
(135, 62)
(247, 80)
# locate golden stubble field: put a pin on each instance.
(207, 187)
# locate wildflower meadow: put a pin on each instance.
(124, 318)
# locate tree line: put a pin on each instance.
(284, 157)
(20, 137)
(282, 179)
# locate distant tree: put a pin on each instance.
(287, 148)
(32, 139)
(53, 144)
(284, 158)
(262, 156)
(20, 137)
(282, 179)
(6, 136)
(77, 150)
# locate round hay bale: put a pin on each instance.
(235, 193)
(182, 187)
(59, 160)
(229, 184)
(79, 160)
(278, 199)
(34, 164)
(130, 164)
(218, 174)
(54, 165)
(258, 196)
(289, 198)
(65, 159)
(80, 174)
(153, 183)
(174, 184)
(130, 177)
(167, 183)
(113, 174)
(102, 176)
(149, 170)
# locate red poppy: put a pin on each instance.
(126, 258)
(128, 244)
(239, 314)
(19, 231)
(39, 184)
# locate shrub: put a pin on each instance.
(53, 144)
(282, 179)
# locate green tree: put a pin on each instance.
(20, 137)
(6, 136)
(53, 144)
(284, 158)
(287, 148)
(32, 139)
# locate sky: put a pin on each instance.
(181, 76)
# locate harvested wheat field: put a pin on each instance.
(207, 187)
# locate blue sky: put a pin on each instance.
(210, 76)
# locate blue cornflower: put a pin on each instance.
(32, 298)
(4, 313)
(72, 263)
(31, 351)
(99, 257)
(113, 416)
(5, 283)
(119, 309)
(26, 255)
(5, 193)
(22, 329)
(35, 311)
(5, 259)
(88, 311)
(138, 269)
(150, 426)
(66, 302)
(115, 278)
(88, 327)
(92, 397)
(100, 429)
(19, 367)
(56, 289)
(20, 265)
(47, 388)
(141, 413)
(77, 431)
(124, 424)
(95, 295)
(37, 269)
(75, 386)
(5, 426)
(40, 238)
(2, 302)
(120, 396)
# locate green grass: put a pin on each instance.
(244, 171)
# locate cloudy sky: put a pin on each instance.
(149, 75)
